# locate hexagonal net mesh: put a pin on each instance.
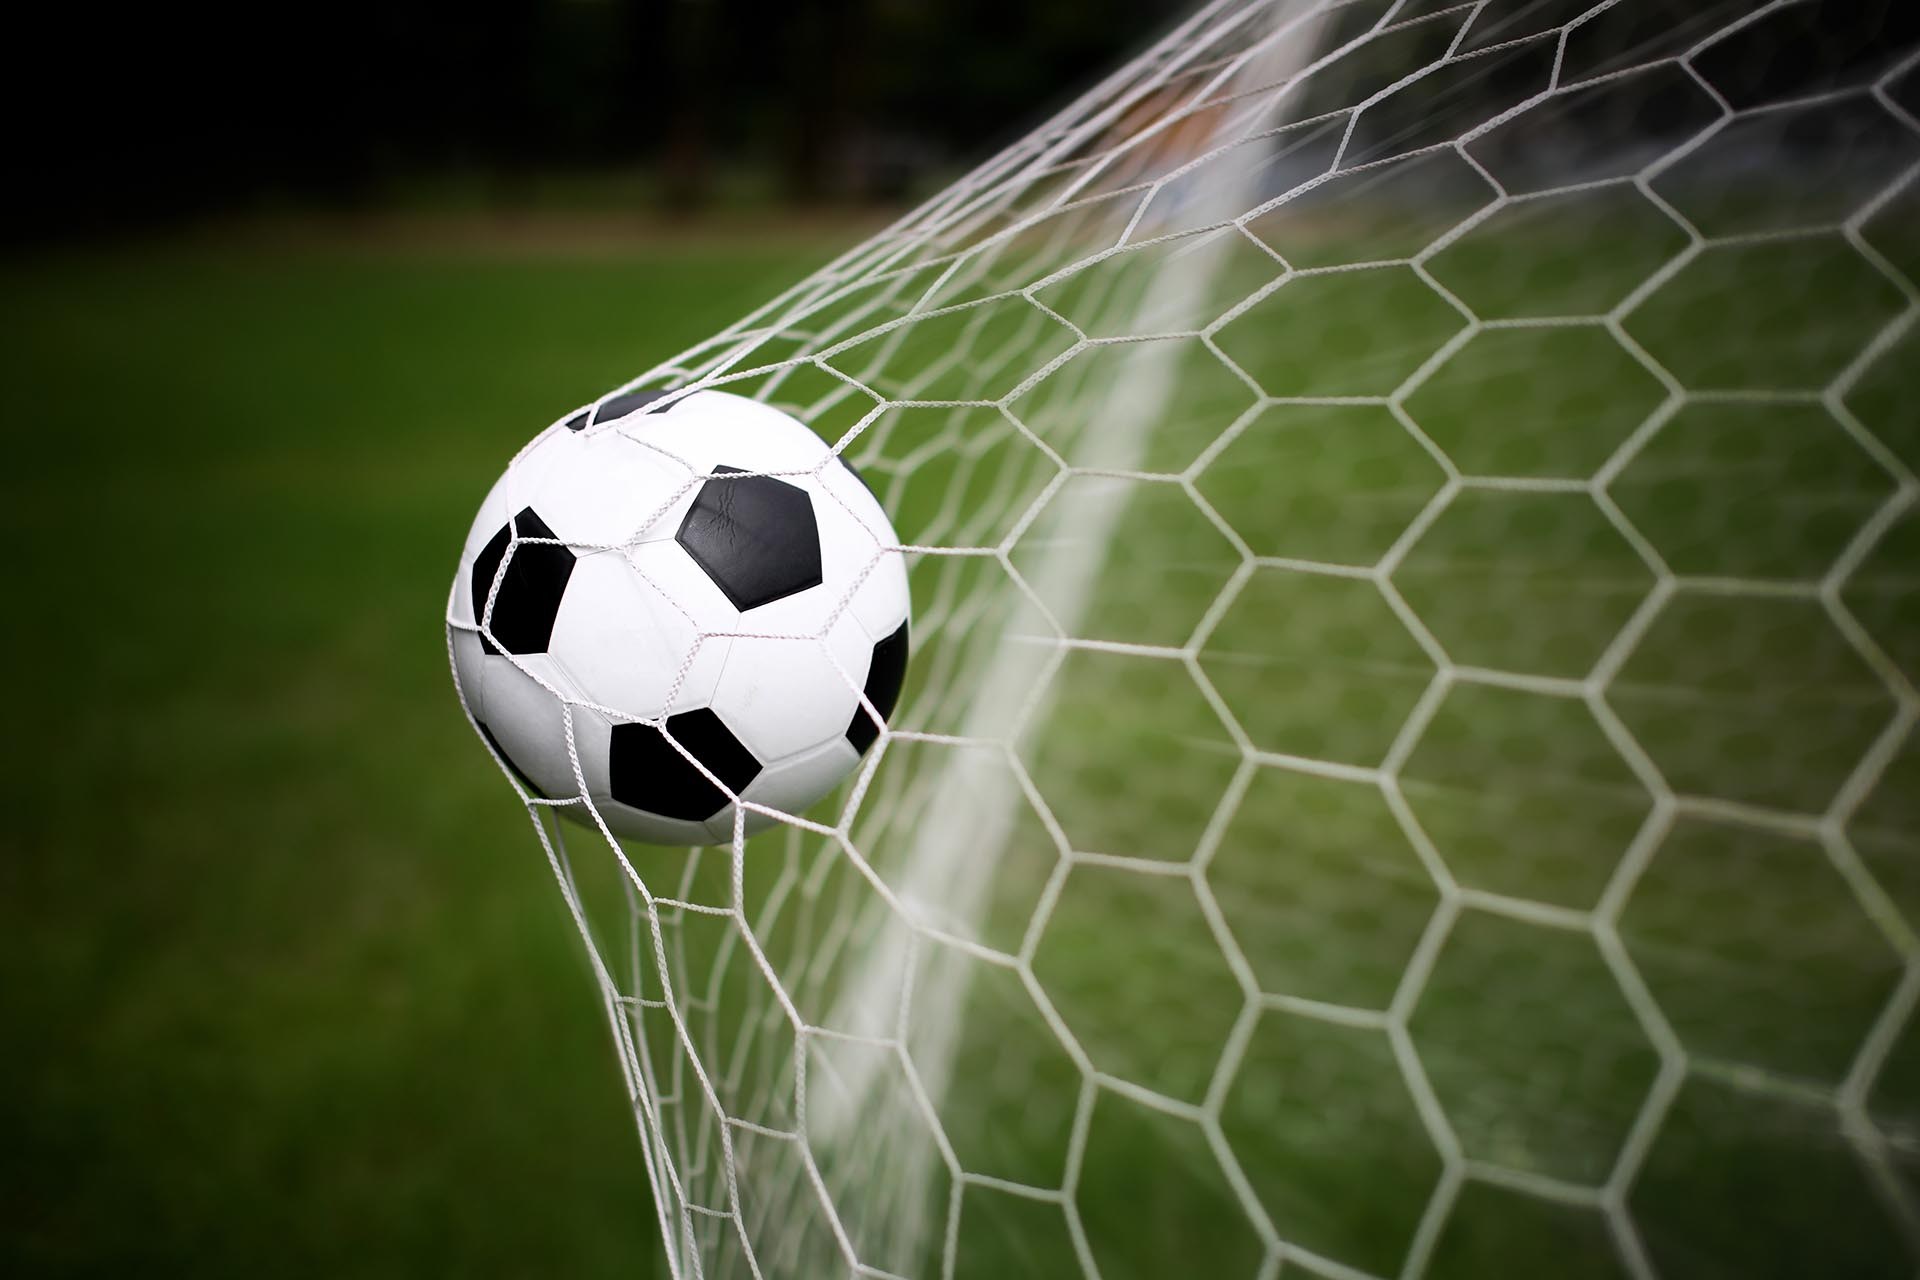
(1408, 765)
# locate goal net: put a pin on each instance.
(1408, 762)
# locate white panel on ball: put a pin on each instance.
(882, 602)
(672, 573)
(795, 785)
(781, 697)
(852, 649)
(601, 490)
(709, 429)
(852, 495)
(627, 646)
(529, 722)
(469, 659)
(856, 536)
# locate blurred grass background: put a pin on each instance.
(289, 985)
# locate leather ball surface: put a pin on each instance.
(672, 602)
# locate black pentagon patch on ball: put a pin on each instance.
(755, 537)
(627, 401)
(646, 773)
(529, 595)
(514, 769)
(885, 674)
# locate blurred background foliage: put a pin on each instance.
(161, 116)
(627, 104)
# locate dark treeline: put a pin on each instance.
(171, 111)
(155, 115)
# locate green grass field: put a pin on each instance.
(301, 995)
(289, 988)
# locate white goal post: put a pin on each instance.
(1408, 762)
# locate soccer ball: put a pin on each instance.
(671, 603)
